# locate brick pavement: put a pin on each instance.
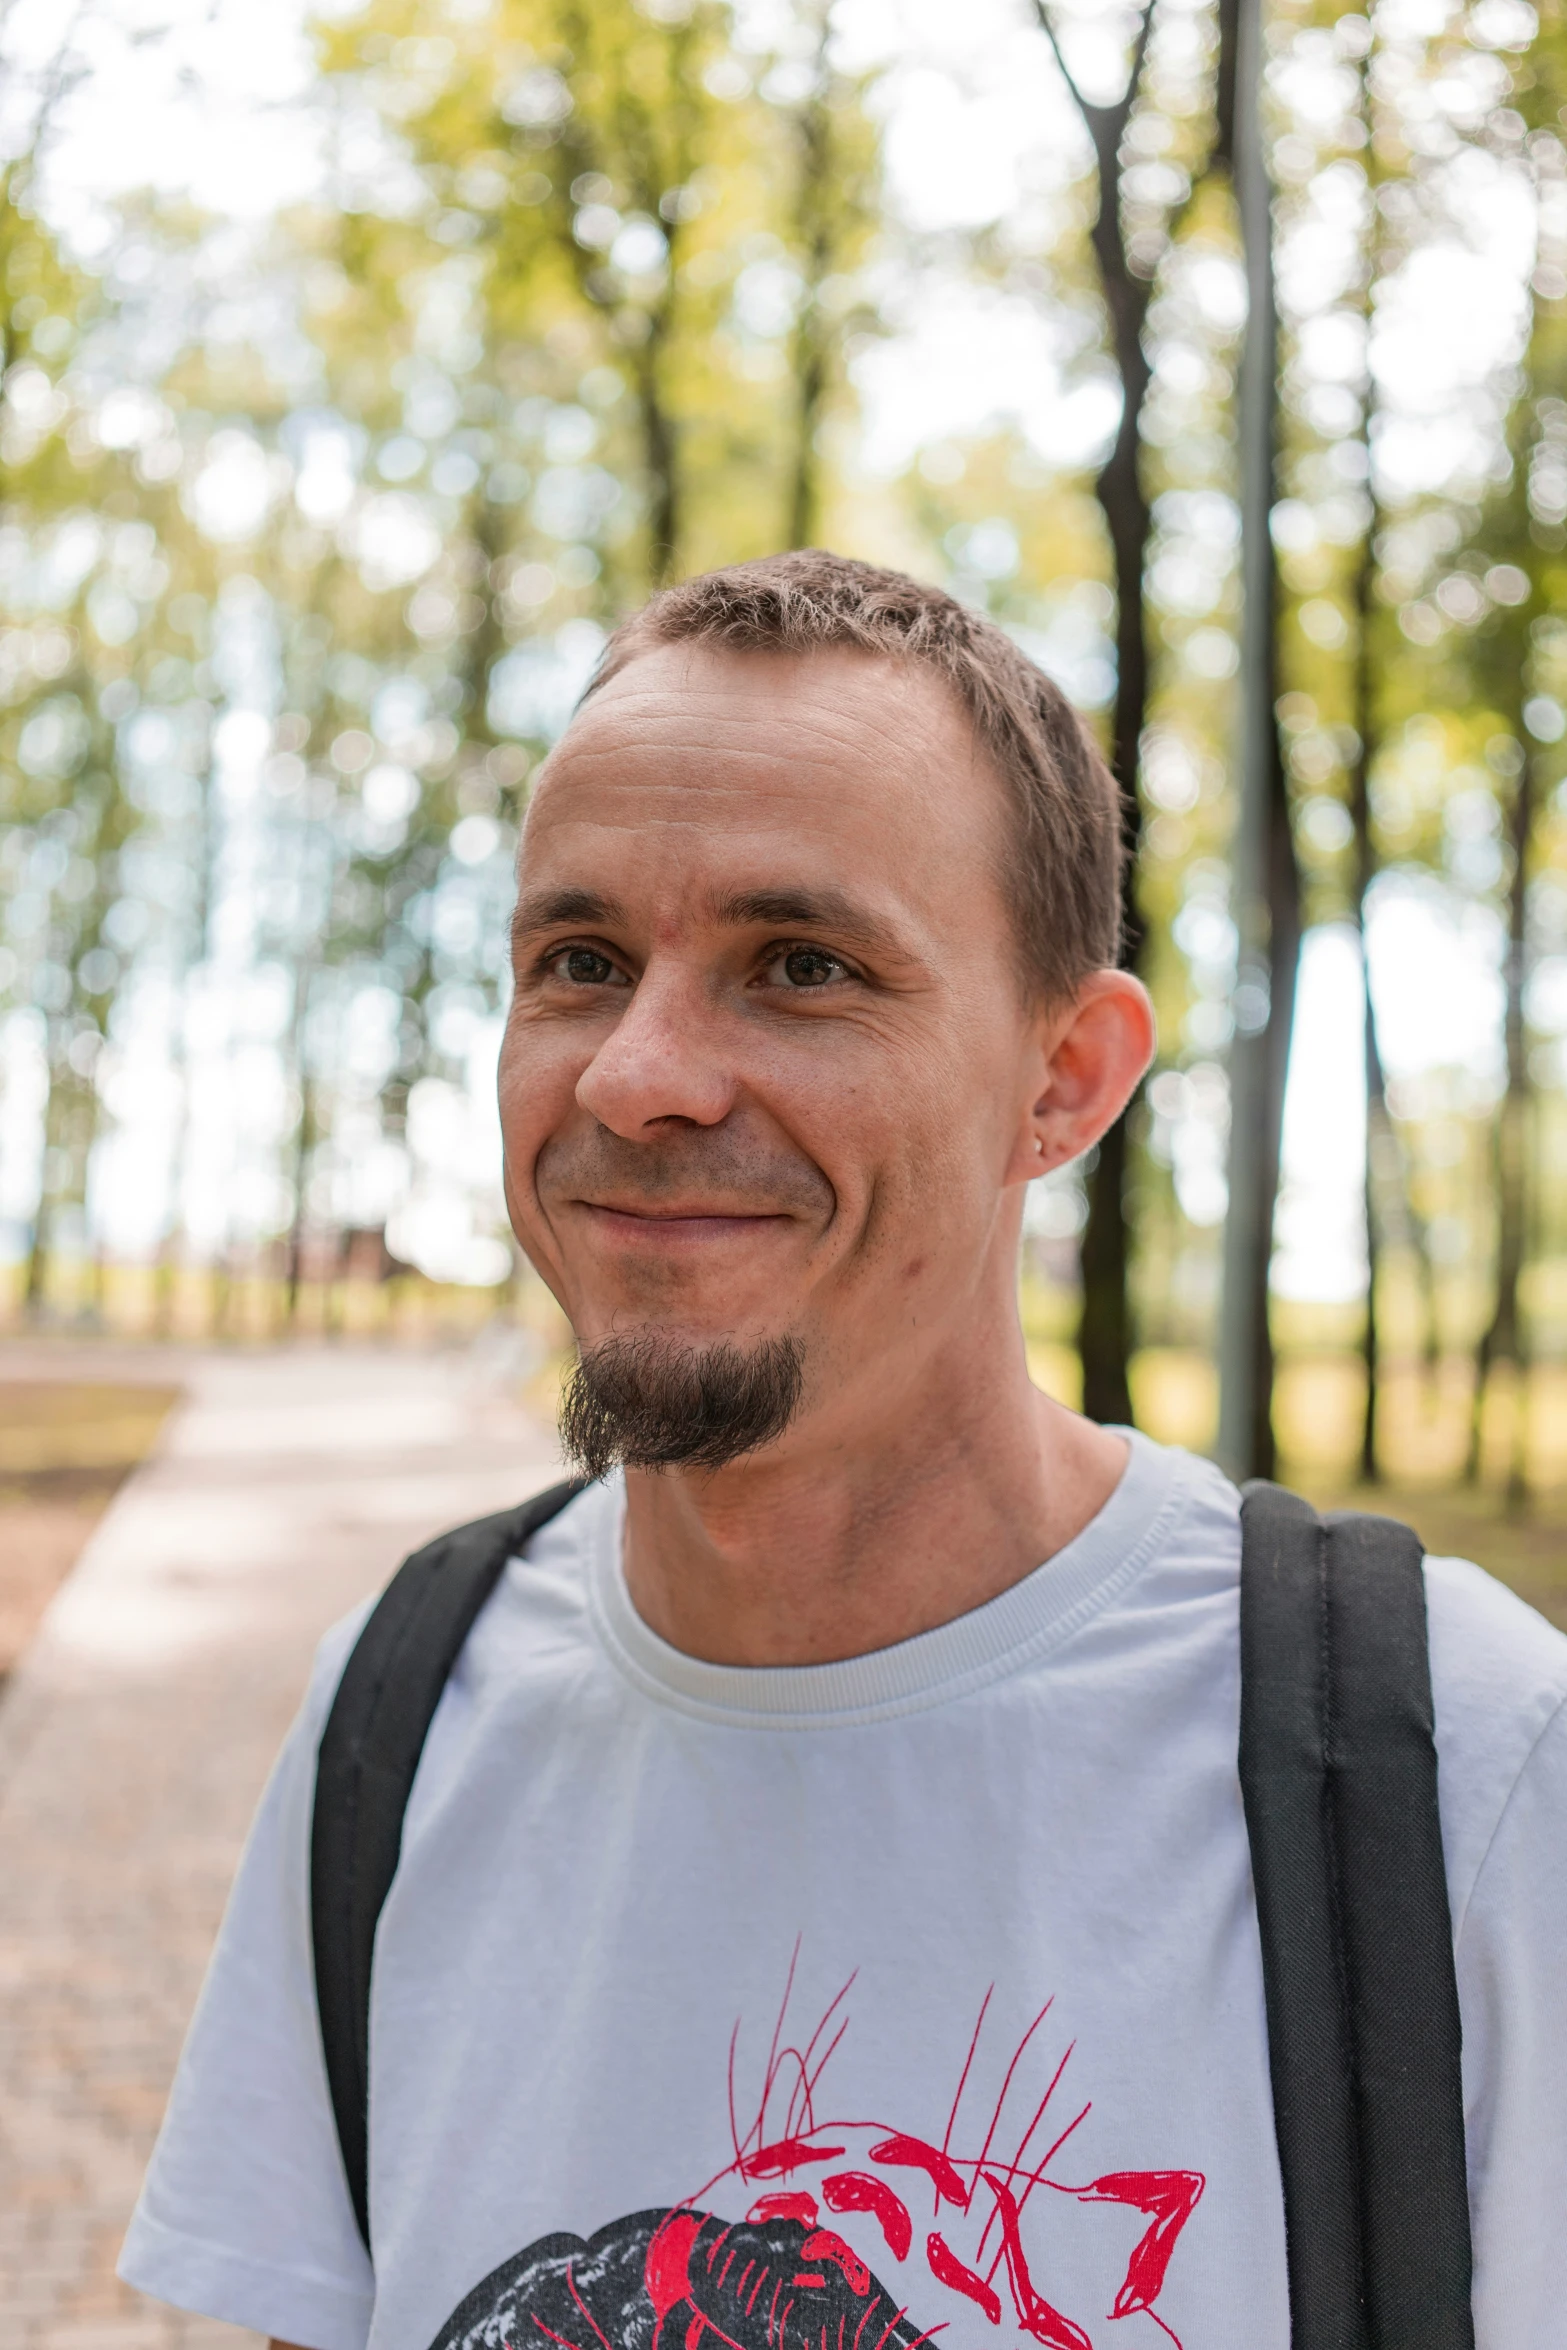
(136, 1734)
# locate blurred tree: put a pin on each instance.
(833, 217)
(1391, 1216)
(1129, 266)
(629, 126)
(1266, 880)
(621, 199)
(1105, 1328)
(72, 581)
(1518, 665)
(1381, 1140)
(61, 832)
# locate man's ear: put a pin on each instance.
(1094, 1050)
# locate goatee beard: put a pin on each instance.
(660, 1403)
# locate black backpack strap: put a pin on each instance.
(365, 1765)
(1338, 1772)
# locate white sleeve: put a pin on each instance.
(1512, 1980)
(245, 2214)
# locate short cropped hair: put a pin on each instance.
(1063, 870)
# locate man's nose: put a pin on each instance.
(662, 1059)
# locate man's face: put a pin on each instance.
(769, 1052)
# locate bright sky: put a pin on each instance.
(211, 98)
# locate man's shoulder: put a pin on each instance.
(1498, 1668)
(542, 1580)
(1493, 1657)
(1490, 1648)
(1498, 1680)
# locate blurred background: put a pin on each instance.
(361, 365)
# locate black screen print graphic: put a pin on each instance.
(672, 2279)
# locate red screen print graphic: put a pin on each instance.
(978, 2192)
(782, 2277)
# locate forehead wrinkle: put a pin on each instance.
(751, 746)
(697, 673)
(640, 785)
(737, 721)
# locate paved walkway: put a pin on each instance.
(135, 1737)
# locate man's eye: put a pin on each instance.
(809, 967)
(583, 967)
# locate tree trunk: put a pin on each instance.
(804, 526)
(194, 950)
(1259, 1075)
(1266, 887)
(660, 455)
(70, 1128)
(810, 378)
(304, 1145)
(649, 165)
(36, 1281)
(1105, 1328)
(813, 231)
(1378, 1134)
(1104, 1337)
(1390, 1211)
(1503, 1340)
(1378, 1126)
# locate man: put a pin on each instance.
(824, 1915)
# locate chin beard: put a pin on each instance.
(654, 1402)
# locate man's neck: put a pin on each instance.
(830, 1545)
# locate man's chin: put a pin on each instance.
(664, 1396)
(680, 1309)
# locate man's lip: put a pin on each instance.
(682, 1215)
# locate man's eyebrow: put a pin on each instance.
(824, 908)
(543, 909)
(806, 908)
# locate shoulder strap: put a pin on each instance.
(365, 1767)
(1338, 1772)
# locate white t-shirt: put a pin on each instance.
(827, 2008)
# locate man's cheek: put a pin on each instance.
(534, 1090)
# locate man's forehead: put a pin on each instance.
(833, 792)
(832, 702)
(823, 744)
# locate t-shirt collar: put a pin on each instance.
(1019, 1626)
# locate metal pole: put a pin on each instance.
(1248, 1231)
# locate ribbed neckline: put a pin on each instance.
(1017, 1627)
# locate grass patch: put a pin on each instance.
(66, 1447)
